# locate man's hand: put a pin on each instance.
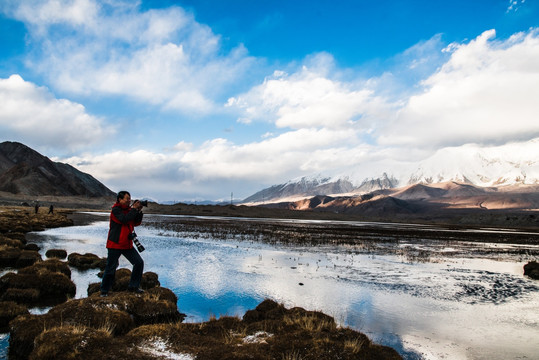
(137, 205)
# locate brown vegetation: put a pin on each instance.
(86, 261)
(56, 253)
(124, 326)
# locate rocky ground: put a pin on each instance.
(147, 326)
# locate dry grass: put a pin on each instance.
(291, 355)
(311, 322)
(151, 297)
(354, 345)
(107, 327)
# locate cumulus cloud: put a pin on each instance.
(315, 117)
(162, 57)
(485, 93)
(288, 154)
(184, 170)
(33, 115)
(309, 98)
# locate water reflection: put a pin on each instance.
(452, 307)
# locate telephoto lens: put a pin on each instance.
(137, 243)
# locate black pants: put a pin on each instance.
(112, 263)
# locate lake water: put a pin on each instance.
(465, 307)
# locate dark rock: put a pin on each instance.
(56, 253)
(531, 269)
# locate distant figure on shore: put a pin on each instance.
(123, 219)
(51, 209)
(36, 207)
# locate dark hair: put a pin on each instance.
(122, 194)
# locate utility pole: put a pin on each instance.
(231, 196)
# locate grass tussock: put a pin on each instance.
(291, 355)
(113, 327)
(354, 345)
(311, 322)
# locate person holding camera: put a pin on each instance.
(123, 219)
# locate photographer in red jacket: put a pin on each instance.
(123, 219)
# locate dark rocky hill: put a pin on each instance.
(25, 171)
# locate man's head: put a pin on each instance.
(124, 198)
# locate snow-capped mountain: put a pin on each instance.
(511, 164)
(494, 166)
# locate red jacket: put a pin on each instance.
(122, 223)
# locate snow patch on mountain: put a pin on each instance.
(494, 166)
(482, 166)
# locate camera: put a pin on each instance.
(142, 202)
(133, 236)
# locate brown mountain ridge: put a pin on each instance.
(25, 171)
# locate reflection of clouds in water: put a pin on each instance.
(455, 308)
(295, 279)
(81, 239)
(422, 303)
(208, 275)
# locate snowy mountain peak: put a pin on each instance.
(493, 166)
(510, 164)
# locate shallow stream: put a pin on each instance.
(439, 307)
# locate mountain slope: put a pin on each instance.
(302, 188)
(25, 171)
(479, 167)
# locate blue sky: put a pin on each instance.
(192, 100)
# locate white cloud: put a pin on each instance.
(43, 13)
(162, 57)
(325, 117)
(218, 163)
(289, 154)
(514, 5)
(33, 115)
(309, 98)
(486, 93)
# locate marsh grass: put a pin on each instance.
(354, 345)
(291, 355)
(107, 327)
(311, 322)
